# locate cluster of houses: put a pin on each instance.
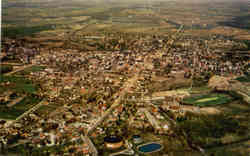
(82, 86)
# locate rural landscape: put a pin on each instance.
(127, 77)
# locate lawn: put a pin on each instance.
(244, 78)
(5, 69)
(208, 100)
(18, 109)
(11, 114)
(19, 84)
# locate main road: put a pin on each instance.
(119, 97)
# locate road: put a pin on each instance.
(126, 86)
(131, 82)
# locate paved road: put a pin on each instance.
(119, 96)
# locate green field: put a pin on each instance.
(29, 18)
(24, 31)
(208, 100)
(18, 84)
(18, 109)
(5, 69)
(244, 78)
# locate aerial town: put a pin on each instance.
(125, 93)
(102, 93)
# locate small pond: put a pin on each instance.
(150, 147)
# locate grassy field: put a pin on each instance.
(244, 79)
(208, 100)
(19, 84)
(34, 17)
(18, 109)
(24, 31)
(5, 69)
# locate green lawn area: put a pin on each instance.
(5, 69)
(244, 78)
(27, 103)
(18, 84)
(21, 86)
(208, 100)
(11, 114)
(18, 109)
